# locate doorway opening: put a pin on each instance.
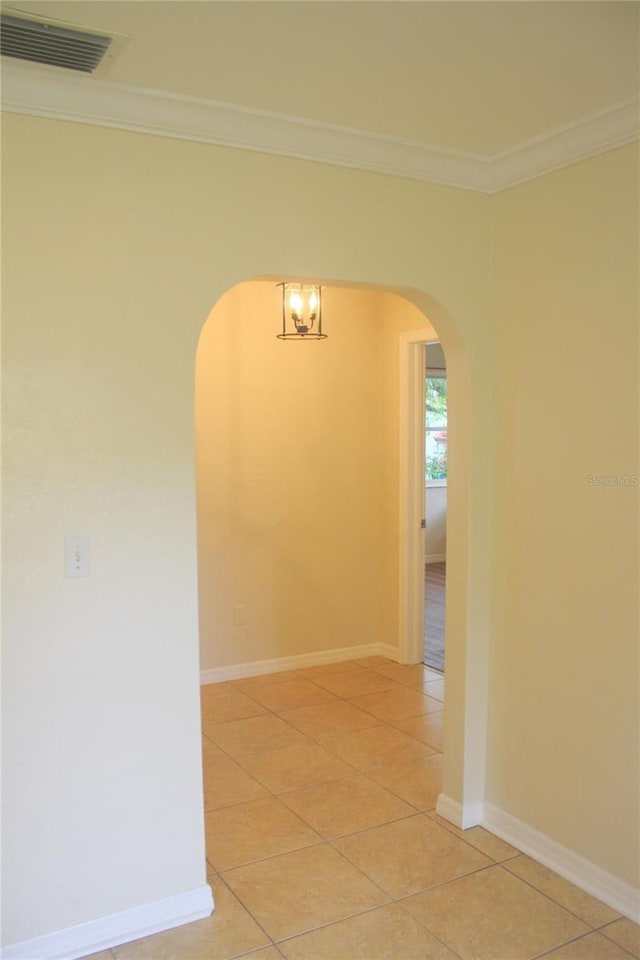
(436, 463)
(283, 586)
(298, 472)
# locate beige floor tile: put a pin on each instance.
(338, 717)
(481, 839)
(376, 747)
(269, 953)
(410, 675)
(210, 751)
(104, 955)
(252, 831)
(421, 685)
(625, 933)
(399, 704)
(228, 932)
(291, 694)
(493, 914)
(356, 683)
(592, 911)
(345, 806)
(249, 684)
(330, 669)
(434, 688)
(293, 767)
(300, 891)
(428, 728)
(225, 783)
(592, 947)
(418, 782)
(371, 663)
(220, 702)
(387, 933)
(410, 855)
(216, 689)
(253, 734)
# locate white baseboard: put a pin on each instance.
(386, 650)
(96, 935)
(599, 883)
(435, 558)
(256, 668)
(460, 815)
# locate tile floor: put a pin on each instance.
(323, 844)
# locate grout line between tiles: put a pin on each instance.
(275, 941)
(446, 826)
(603, 929)
(330, 843)
(390, 900)
(428, 929)
(416, 761)
(253, 917)
(363, 913)
(282, 853)
(331, 923)
(540, 956)
(445, 883)
(552, 899)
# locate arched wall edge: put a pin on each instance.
(467, 657)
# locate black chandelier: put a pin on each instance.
(301, 312)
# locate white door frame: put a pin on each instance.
(412, 505)
(465, 732)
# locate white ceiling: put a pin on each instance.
(479, 81)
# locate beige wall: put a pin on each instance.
(116, 247)
(564, 720)
(293, 500)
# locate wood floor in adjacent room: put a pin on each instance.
(323, 842)
(435, 582)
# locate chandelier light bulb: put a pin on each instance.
(301, 311)
(295, 302)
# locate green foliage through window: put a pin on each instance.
(436, 428)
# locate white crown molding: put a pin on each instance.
(568, 144)
(60, 96)
(63, 96)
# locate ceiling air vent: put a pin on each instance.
(52, 44)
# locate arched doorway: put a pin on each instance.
(311, 559)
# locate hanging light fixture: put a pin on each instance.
(301, 312)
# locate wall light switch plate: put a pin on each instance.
(76, 556)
